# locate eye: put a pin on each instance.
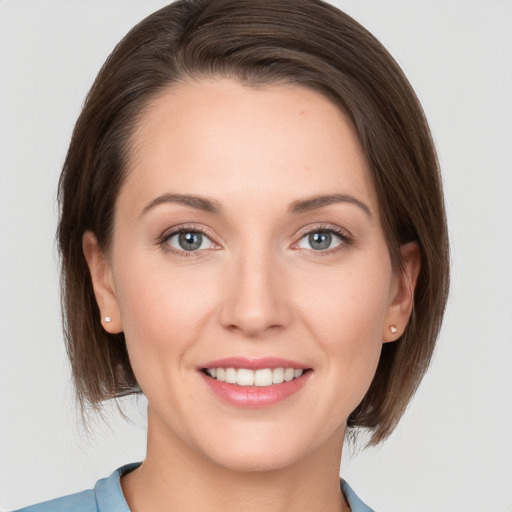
(322, 240)
(189, 240)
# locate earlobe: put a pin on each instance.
(402, 302)
(103, 283)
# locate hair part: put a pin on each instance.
(302, 42)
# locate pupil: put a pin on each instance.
(190, 241)
(320, 240)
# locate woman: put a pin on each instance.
(253, 235)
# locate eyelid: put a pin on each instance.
(345, 234)
(342, 233)
(180, 228)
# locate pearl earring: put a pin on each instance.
(393, 329)
(108, 319)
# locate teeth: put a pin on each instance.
(277, 375)
(263, 377)
(230, 375)
(244, 377)
(221, 374)
(289, 373)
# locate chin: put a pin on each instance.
(262, 450)
(255, 460)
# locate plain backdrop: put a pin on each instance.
(453, 449)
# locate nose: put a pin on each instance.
(255, 301)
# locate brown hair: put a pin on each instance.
(304, 42)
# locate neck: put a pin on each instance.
(177, 477)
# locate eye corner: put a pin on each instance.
(200, 241)
(330, 234)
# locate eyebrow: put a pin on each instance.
(315, 202)
(300, 206)
(200, 203)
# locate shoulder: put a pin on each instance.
(107, 496)
(79, 502)
(356, 505)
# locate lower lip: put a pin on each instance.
(255, 396)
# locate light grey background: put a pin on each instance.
(453, 449)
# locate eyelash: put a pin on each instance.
(186, 228)
(346, 239)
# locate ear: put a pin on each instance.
(402, 299)
(103, 283)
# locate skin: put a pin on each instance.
(255, 288)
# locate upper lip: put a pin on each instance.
(254, 363)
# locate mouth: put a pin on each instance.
(256, 383)
(261, 377)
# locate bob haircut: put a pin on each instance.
(302, 42)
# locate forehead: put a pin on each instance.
(218, 136)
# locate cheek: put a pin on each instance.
(347, 318)
(352, 304)
(163, 309)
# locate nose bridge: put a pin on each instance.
(254, 300)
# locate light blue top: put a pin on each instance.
(107, 496)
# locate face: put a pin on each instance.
(249, 272)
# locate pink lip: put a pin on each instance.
(254, 364)
(254, 396)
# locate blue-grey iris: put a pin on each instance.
(190, 240)
(320, 240)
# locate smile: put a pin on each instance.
(254, 382)
(262, 377)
